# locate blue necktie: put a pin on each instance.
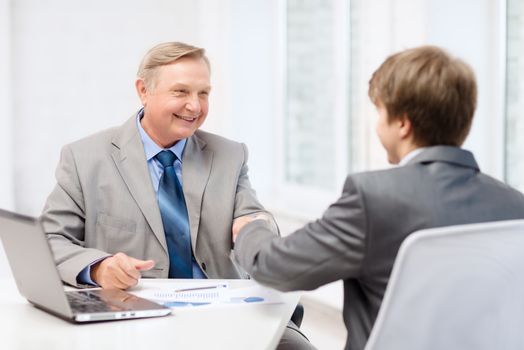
(174, 217)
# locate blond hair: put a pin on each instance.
(436, 92)
(166, 53)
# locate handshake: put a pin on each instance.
(240, 222)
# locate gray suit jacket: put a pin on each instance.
(358, 236)
(104, 202)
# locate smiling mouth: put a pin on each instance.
(187, 119)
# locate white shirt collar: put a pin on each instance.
(411, 155)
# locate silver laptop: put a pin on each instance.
(37, 278)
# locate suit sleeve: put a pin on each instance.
(63, 220)
(323, 251)
(246, 201)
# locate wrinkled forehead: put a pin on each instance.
(188, 72)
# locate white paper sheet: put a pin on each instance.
(217, 293)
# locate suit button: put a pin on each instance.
(204, 266)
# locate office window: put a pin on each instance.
(315, 123)
(326, 122)
(515, 95)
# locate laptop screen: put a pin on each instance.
(32, 261)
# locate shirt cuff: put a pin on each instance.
(84, 277)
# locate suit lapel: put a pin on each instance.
(196, 168)
(130, 160)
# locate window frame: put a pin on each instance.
(296, 199)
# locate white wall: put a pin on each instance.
(74, 67)
(6, 175)
(6, 116)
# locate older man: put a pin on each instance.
(155, 197)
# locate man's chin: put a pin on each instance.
(182, 132)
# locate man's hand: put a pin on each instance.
(119, 271)
(238, 224)
(242, 221)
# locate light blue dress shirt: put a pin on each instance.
(155, 171)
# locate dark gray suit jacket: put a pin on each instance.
(104, 202)
(358, 237)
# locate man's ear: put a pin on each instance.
(405, 127)
(141, 90)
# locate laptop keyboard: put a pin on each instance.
(90, 301)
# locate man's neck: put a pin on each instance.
(403, 149)
(407, 148)
(161, 143)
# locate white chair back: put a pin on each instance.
(455, 288)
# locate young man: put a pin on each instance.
(425, 100)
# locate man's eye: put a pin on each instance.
(179, 92)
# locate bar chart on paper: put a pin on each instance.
(192, 296)
(217, 293)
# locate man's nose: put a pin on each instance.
(193, 104)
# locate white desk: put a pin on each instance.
(23, 327)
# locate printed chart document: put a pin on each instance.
(213, 293)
